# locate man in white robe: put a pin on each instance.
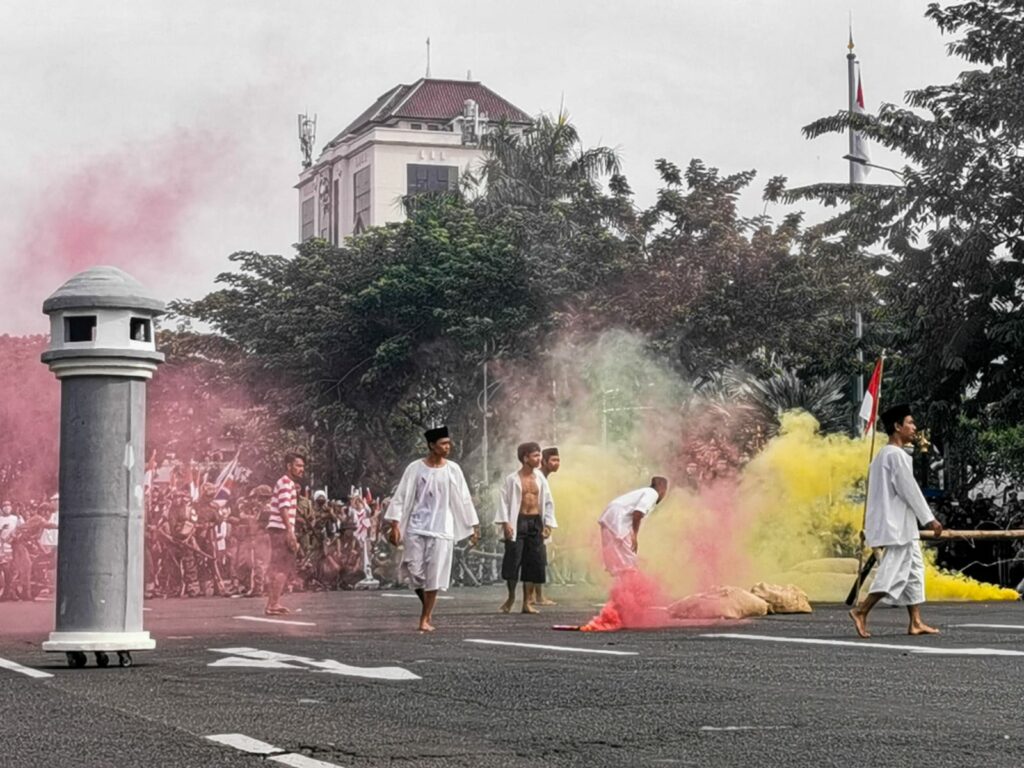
(431, 510)
(526, 515)
(895, 508)
(620, 525)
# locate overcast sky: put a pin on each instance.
(161, 136)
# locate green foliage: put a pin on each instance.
(953, 231)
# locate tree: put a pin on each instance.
(953, 231)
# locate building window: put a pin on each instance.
(431, 178)
(308, 213)
(361, 199)
(416, 126)
(433, 127)
(140, 329)
(81, 328)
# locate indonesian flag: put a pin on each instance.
(869, 408)
(861, 151)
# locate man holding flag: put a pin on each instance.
(895, 507)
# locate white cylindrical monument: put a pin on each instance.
(103, 350)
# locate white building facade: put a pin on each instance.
(414, 138)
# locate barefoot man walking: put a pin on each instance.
(895, 508)
(430, 511)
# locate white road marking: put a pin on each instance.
(874, 646)
(555, 647)
(301, 761)
(744, 727)
(412, 597)
(235, 661)
(244, 743)
(15, 667)
(327, 666)
(277, 621)
(252, 746)
(179, 637)
(990, 626)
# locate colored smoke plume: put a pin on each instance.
(126, 210)
(730, 519)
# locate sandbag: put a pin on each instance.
(782, 599)
(719, 603)
(820, 587)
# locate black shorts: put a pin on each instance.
(526, 557)
(282, 559)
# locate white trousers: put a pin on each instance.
(617, 553)
(427, 562)
(900, 574)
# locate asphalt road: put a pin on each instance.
(357, 686)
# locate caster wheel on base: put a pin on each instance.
(76, 659)
(102, 659)
(124, 658)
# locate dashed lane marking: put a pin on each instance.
(567, 649)
(28, 671)
(252, 746)
(412, 597)
(244, 743)
(872, 646)
(267, 620)
(990, 626)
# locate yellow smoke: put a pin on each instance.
(792, 516)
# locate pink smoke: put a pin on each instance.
(127, 210)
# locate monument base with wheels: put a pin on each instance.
(75, 645)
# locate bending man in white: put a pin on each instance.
(430, 511)
(620, 525)
(895, 508)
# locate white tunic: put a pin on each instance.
(512, 499)
(458, 510)
(618, 515)
(434, 509)
(896, 505)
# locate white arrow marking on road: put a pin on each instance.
(15, 667)
(236, 661)
(555, 647)
(328, 666)
(874, 646)
(266, 620)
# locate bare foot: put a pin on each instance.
(426, 627)
(275, 610)
(506, 606)
(922, 629)
(529, 609)
(547, 601)
(859, 623)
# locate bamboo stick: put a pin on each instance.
(1015, 533)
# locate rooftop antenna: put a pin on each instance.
(428, 58)
(307, 137)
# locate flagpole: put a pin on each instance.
(858, 319)
(867, 483)
(851, 77)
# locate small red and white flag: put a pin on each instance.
(869, 408)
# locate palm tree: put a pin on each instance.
(543, 166)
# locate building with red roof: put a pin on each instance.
(413, 138)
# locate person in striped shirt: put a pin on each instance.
(284, 546)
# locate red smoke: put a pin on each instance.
(636, 602)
